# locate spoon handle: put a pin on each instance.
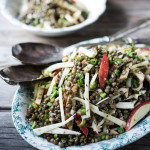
(130, 29)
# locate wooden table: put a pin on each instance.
(119, 14)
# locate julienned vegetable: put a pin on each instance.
(91, 98)
(45, 129)
(63, 131)
(39, 95)
(90, 53)
(54, 67)
(61, 105)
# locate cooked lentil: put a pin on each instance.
(74, 86)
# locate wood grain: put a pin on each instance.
(119, 14)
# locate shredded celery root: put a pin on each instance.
(39, 95)
(98, 87)
(61, 105)
(54, 67)
(63, 131)
(89, 53)
(45, 129)
(51, 86)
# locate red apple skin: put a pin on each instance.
(133, 112)
(146, 49)
(36, 104)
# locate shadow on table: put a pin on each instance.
(110, 22)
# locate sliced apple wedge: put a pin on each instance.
(146, 49)
(137, 114)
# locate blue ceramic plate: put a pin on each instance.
(21, 102)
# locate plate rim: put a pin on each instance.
(91, 145)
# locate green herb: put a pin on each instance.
(74, 73)
(45, 83)
(93, 61)
(107, 82)
(54, 91)
(49, 104)
(103, 137)
(93, 86)
(121, 130)
(84, 14)
(76, 142)
(36, 22)
(35, 106)
(79, 58)
(45, 117)
(86, 57)
(80, 80)
(110, 62)
(75, 57)
(32, 99)
(34, 125)
(134, 82)
(116, 71)
(130, 53)
(118, 59)
(144, 70)
(63, 86)
(106, 109)
(133, 47)
(81, 106)
(63, 21)
(80, 83)
(84, 111)
(136, 92)
(41, 105)
(80, 75)
(54, 88)
(103, 95)
(139, 59)
(82, 123)
(38, 6)
(66, 77)
(54, 94)
(55, 136)
(48, 72)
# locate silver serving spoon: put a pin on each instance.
(42, 54)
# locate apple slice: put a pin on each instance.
(137, 114)
(146, 49)
(103, 71)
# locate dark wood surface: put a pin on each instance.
(119, 14)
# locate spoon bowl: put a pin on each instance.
(36, 53)
(22, 73)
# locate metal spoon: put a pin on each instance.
(40, 54)
(28, 73)
(21, 73)
(37, 53)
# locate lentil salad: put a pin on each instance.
(51, 13)
(91, 94)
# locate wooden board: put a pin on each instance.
(119, 14)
